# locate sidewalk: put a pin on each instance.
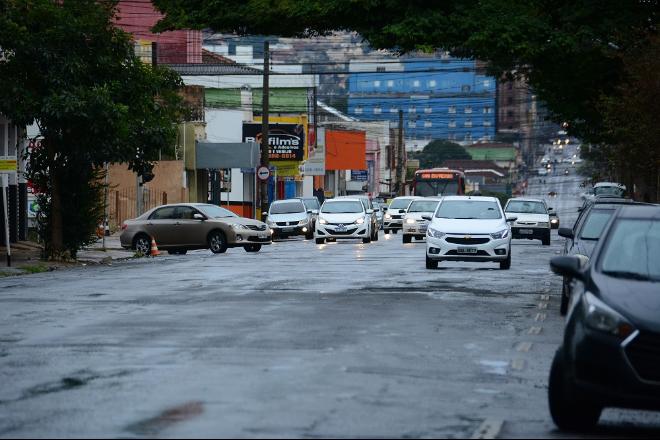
(26, 257)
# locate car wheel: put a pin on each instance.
(546, 239)
(142, 244)
(406, 238)
(506, 264)
(178, 252)
(366, 240)
(252, 248)
(387, 231)
(217, 242)
(375, 237)
(395, 231)
(571, 411)
(320, 240)
(309, 235)
(431, 264)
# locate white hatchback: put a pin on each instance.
(413, 223)
(466, 228)
(343, 218)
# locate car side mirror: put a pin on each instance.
(384, 208)
(402, 211)
(370, 211)
(427, 217)
(568, 267)
(511, 218)
(315, 211)
(199, 217)
(309, 211)
(566, 233)
(551, 209)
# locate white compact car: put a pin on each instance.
(466, 228)
(393, 220)
(413, 223)
(533, 221)
(343, 218)
(290, 217)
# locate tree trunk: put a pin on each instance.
(56, 248)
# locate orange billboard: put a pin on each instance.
(345, 150)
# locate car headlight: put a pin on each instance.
(435, 233)
(599, 316)
(323, 221)
(359, 221)
(302, 222)
(271, 223)
(411, 221)
(504, 233)
(238, 226)
(554, 220)
(388, 216)
(543, 224)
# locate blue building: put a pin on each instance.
(441, 98)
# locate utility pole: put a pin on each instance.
(265, 158)
(400, 177)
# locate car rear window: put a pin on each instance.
(595, 223)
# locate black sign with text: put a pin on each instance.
(285, 141)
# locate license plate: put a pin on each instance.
(467, 250)
(526, 231)
(341, 228)
(287, 229)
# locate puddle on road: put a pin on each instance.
(495, 367)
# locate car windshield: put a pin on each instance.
(423, 206)
(287, 208)
(595, 223)
(469, 210)
(400, 203)
(213, 211)
(526, 207)
(633, 250)
(609, 191)
(312, 204)
(343, 207)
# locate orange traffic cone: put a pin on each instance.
(154, 248)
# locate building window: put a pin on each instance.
(432, 83)
(377, 110)
(393, 109)
(451, 136)
(412, 109)
(428, 109)
(487, 124)
(376, 83)
(468, 136)
(488, 110)
(358, 110)
(465, 88)
(452, 123)
(380, 69)
(452, 109)
(416, 83)
(486, 83)
(428, 124)
(509, 114)
(412, 124)
(468, 123)
(390, 83)
(468, 109)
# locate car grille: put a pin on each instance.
(259, 239)
(526, 223)
(644, 355)
(348, 232)
(397, 217)
(257, 227)
(287, 223)
(467, 241)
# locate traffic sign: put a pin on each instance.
(263, 173)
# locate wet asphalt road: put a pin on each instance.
(337, 340)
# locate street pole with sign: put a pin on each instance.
(8, 166)
(265, 158)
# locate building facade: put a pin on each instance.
(441, 98)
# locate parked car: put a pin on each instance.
(413, 223)
(182, 227)
(608, 189)
(533, 219)
(290, 217)
(380, 213)
(371, 213)
(583, 237)
(393, 220)
(468, 228)
(343, 218)
(611, 347)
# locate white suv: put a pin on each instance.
(466, 228)
(343, 218)
(533, 221)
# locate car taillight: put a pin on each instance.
(124, 226)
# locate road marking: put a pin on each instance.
(489, 428)
(534, 330)
(543, 305)
(524, 347)
(518, 364)
(540, 317)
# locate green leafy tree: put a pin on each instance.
(572, 53)
(436, 152)
(67, 68)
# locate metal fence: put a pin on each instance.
(122, 204)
